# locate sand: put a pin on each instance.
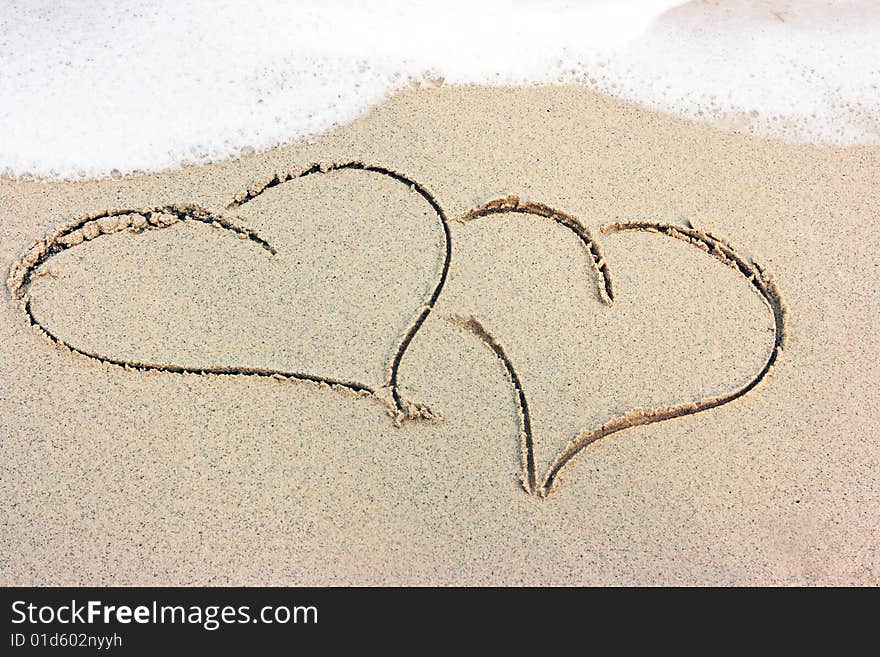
(497, 336)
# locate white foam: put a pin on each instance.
(88, 88)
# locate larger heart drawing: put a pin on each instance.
(432, 263)
(248, 206)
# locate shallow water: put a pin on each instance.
(152, 85)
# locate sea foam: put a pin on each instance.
(87, 89)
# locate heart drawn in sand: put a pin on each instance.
(753, 274)
(235, 220)
(341, 276)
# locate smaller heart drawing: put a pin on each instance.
(713, 246)
(427, 276)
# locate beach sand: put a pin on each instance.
(156, 431)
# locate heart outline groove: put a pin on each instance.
(710, 244)
(90, 226)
